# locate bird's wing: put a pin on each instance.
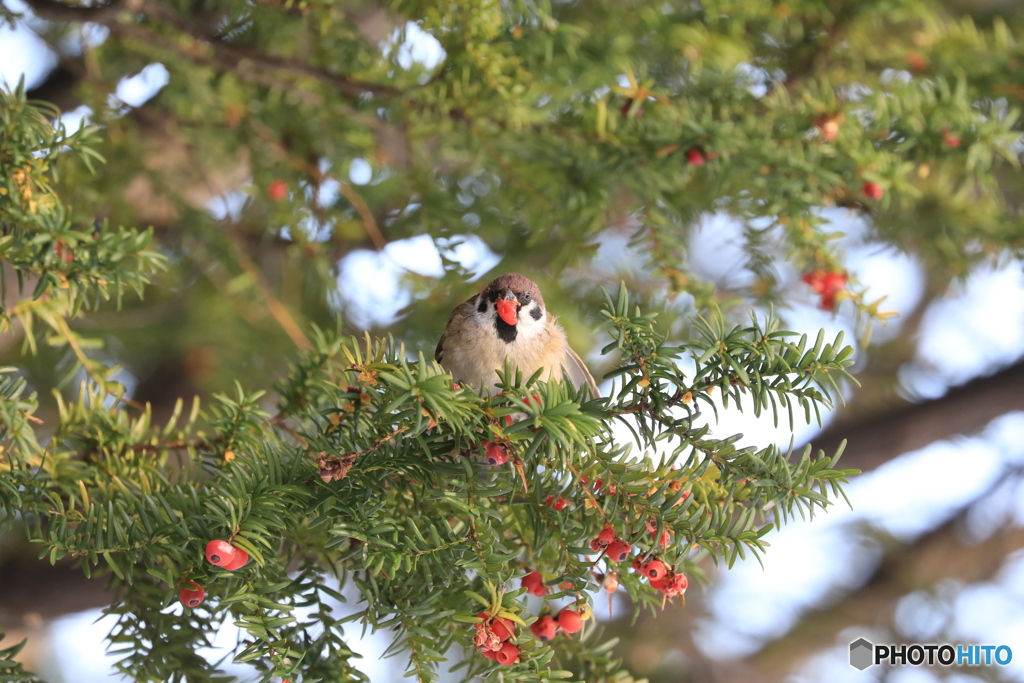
(577, 371)
(460, 312)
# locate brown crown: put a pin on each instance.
(519, 284)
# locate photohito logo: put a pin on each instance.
(864, 654)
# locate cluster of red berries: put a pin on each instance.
(219, 553)
(547, 627)
(828, 285)
(491, 639)
(614, 547)
(661, 576)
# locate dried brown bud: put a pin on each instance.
(333, 467)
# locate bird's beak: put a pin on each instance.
(508, 307)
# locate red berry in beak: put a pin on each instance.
(507, 311)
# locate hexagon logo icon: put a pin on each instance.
(862, 654)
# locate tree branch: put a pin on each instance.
(877, 439)
(245, 63)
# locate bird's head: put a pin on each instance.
(515, 303)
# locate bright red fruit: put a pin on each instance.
(496, 453)
(673, 584)
(828, 285)
(534, 584)
(950, 140)
(503, 628)
(655, 570)
(695, 157)
(556, 503)
(607, 535)
(619, 550)
(570, 621)
(872, 190)
(192, 598)
(241, 559)
(220, 552)
(490, 654)
(508, 654)
(277, 191)
(544, 628)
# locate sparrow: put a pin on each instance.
(508, 318)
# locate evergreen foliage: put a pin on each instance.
(349, 465)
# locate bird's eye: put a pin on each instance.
(524, 298)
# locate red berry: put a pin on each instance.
(490, 654)
(220, 553)
(496, 453)
(607, 535)
(695, 157)
(570, 621)
(277, 191)
(950, 140)
(657, 584)
(503, 628)
(872, 190)
(508, 654)
(241, 559)
(917, 62)
(655, 570)
(534, 584)
(544, 628)
(673, 584)
(834, 282)
(619, 550)
(816, 279)
(557, 503)
(192, 598)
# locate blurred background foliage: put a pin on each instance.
(297, 161)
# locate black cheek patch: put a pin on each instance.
(535, 313)
(482, 306)
(506, 333)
